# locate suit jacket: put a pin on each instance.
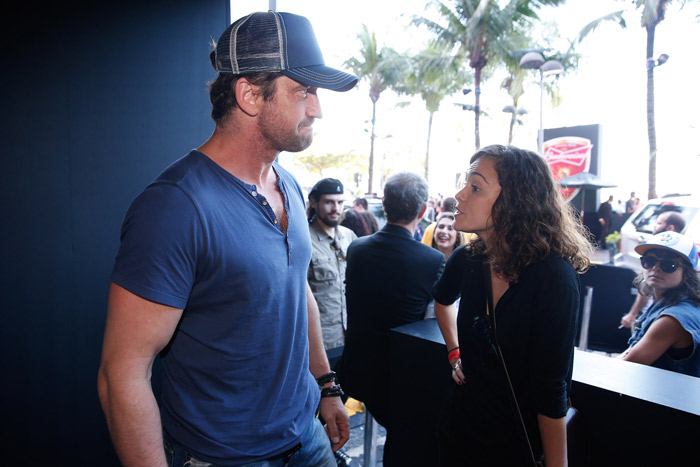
(605, 212)
(389, 279)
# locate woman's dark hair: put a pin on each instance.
(530, 217)
(449, 215)
(222, 93)
(353, 221)
(449, 204)
(690, 285)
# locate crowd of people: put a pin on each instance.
(244, 288)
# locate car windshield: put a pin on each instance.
(645, 221)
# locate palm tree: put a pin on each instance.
(478, 30)
(381, 69)
(434, 75)
(514, 85)
(653, 12)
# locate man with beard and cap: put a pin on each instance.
(211, 276)
(326, 274)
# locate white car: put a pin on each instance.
(640, 225)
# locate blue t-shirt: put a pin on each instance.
(237, 385)
(687, 313)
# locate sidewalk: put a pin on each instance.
(601, 256)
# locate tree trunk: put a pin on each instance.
(510, 131)
(477, 109)
(427, 146)
(371, 149)
(651, 126)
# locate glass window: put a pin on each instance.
(645, 221)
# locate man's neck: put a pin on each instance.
(411, 227)
(240, 154)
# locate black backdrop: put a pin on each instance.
(96, 100)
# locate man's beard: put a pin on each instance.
(328, 222)
(279, 134)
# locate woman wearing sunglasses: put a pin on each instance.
(513, 336)
(667, 335)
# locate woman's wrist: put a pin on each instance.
(453, 355)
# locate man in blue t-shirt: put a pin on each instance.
(211, 276)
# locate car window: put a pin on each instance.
(645, 221)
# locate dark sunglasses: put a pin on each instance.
(338, 251)
(666, 265)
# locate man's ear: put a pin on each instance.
(248, 97)
(422, 211)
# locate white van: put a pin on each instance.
(640, 225)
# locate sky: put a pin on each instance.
(609, 89)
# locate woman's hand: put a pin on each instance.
(457, 372)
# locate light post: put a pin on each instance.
(651, 63)
(535, 61)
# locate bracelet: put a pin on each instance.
(452, 350)
(453, 354)
(327, 378)
(332, 391)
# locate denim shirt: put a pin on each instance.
(687, 313)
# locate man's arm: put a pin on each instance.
(332, 408)
(636, 309)
(136, 331)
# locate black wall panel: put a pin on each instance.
(96, 100)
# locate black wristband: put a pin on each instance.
(332, 391)
(327, 378)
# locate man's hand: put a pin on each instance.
(337, 421)
(628, 320)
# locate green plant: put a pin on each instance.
(613, 238)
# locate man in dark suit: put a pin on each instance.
(605, 214)
(389, 277)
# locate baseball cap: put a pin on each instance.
(674, 242)
(327, 186)
(281, 42)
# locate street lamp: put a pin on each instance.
(651, 63)
(513, 119)
(469, 107)
(535, 61)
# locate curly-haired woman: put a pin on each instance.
(511, 344)
(667, 335)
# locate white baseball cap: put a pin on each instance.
(671, 241)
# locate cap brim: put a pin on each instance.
(322, 76)
(641, 249)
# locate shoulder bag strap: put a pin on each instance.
(491, 315)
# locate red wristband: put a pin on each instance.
(453, 355)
